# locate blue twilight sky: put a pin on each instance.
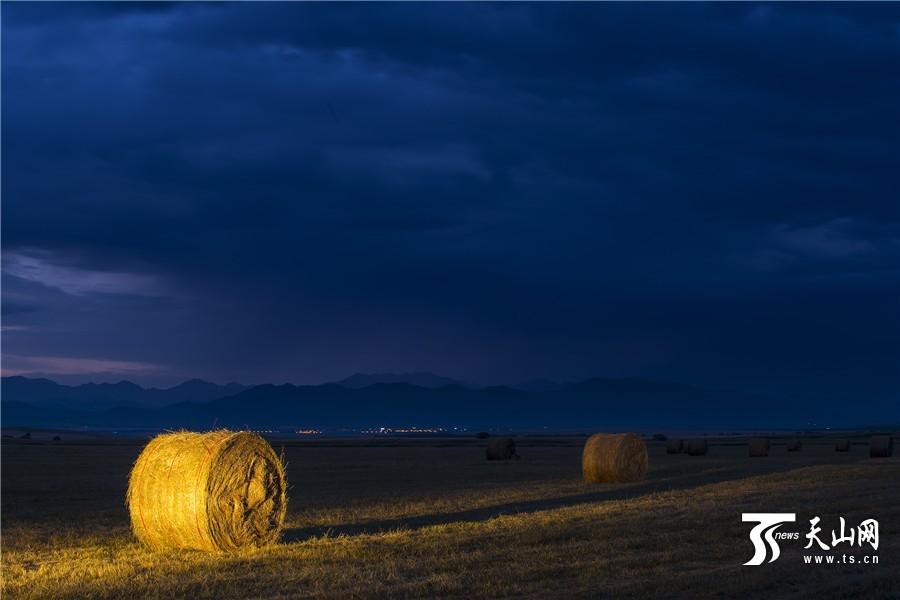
(493, 192)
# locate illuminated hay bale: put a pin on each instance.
(216, 491)
(881, 446)
(794, 445)
(675, 447)
(614, 458)
(697, 447)
(501, 449)
(759, 447)
(842, 446)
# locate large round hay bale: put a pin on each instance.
(614, 458)
(794, 445)
(675, 447)
(503, 448)
(216, 491)
(759, 447)
(881, 446)
(842, 446)
(697, 447)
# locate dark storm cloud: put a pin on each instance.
(491, 191)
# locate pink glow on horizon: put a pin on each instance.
(14, 364)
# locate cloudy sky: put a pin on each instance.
(287, 192)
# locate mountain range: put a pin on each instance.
(102, 396)
(388, 401)
(425, 380)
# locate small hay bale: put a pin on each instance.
(794, 445)
(842, 446)
(216, 491)
(881, 446)
(675, 447)
(482, 435)
(758, 447)
(697, 447)
(501, 449)
(614, 458)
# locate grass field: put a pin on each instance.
(434, 519)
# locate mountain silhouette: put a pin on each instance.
(424, 379)
(102, 396)
(538, 385)
(594, 403)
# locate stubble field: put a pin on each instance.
(432, 518)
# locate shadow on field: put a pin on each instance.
(607, 493)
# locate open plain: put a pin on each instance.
(433, 518)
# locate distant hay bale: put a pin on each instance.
(794, 445)
(614, 458)
(216, 491)
(881, 446)
(675, 447)
(697, 447)
(482, 435)
(501, 449)
(842, 446)
(759, 447)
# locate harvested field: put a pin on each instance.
(432, 518)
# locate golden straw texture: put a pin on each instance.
(614, 458)
(216, 491)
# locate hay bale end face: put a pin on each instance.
(759, 447)
(614, 458)
(794, 445)
(842, 446)
(216, 491)
(501, 449)
(675, 447)
(881, 446)
(697, 447)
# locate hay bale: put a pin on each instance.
(216, 491)
(675, 447)
(482, 435)
(501, 449)
(614, 458)
(758, 447)
(697, 447)
(842, 446)
(881, 446)
(794, 445)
